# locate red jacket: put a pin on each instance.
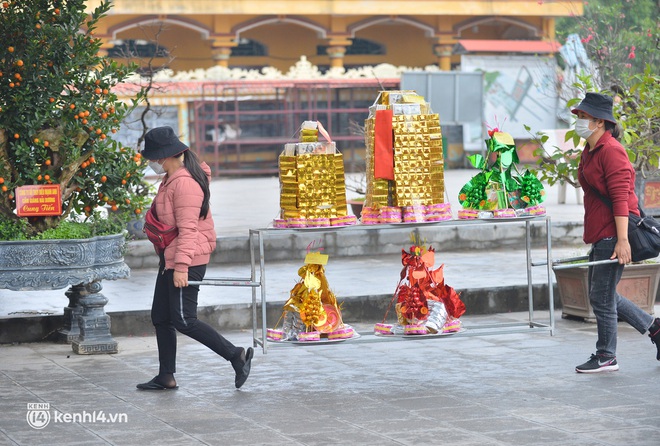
(178, 202)
(606, 169)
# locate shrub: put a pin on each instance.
(58, 114)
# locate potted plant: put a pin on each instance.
(358, 185)
(639, 283)
(57, 117)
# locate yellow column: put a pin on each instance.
(443, 52)
(221, 56)
(105, 46)
(336, 55)
(337, 50)
(221, 50)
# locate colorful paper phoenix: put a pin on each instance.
(420, 286)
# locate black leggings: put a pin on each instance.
(176, 309)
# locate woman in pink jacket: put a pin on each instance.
(183, 201)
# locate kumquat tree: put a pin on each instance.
(58, 115)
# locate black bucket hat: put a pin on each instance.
(161, 142)
(597, 105)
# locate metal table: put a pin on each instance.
(257, 237)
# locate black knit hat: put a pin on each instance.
(597, 105)
(161, 142)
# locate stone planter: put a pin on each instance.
(639, 283)
(81, 265)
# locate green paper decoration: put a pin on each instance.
(501, 178)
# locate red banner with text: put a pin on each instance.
(38, 200)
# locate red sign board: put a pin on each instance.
(652, 195)
(38, 200)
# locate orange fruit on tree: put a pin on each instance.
(10, 49)
(2, 180)
(4, 188)
(46, 144)
(46, 177)
(47, 162)
(16, 136)
(104, 179)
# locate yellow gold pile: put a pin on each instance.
(310, 294)
(312, 184)
(418, 160)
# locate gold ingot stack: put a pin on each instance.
(312, 184)
(418, 159)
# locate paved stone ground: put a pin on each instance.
(513, 389)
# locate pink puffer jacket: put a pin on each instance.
(178, 202)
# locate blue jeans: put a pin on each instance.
(608, 305)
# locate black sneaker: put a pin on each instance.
(654, 334)
(597, 364)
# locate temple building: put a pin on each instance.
(237, 77)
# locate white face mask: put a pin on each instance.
(582, 128)
(156, 167)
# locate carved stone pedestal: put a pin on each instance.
(94, 324)
(70, 330)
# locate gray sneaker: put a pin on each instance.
(597, 364)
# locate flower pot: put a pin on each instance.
(81, 264)
(356, 206)
(639, 283)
